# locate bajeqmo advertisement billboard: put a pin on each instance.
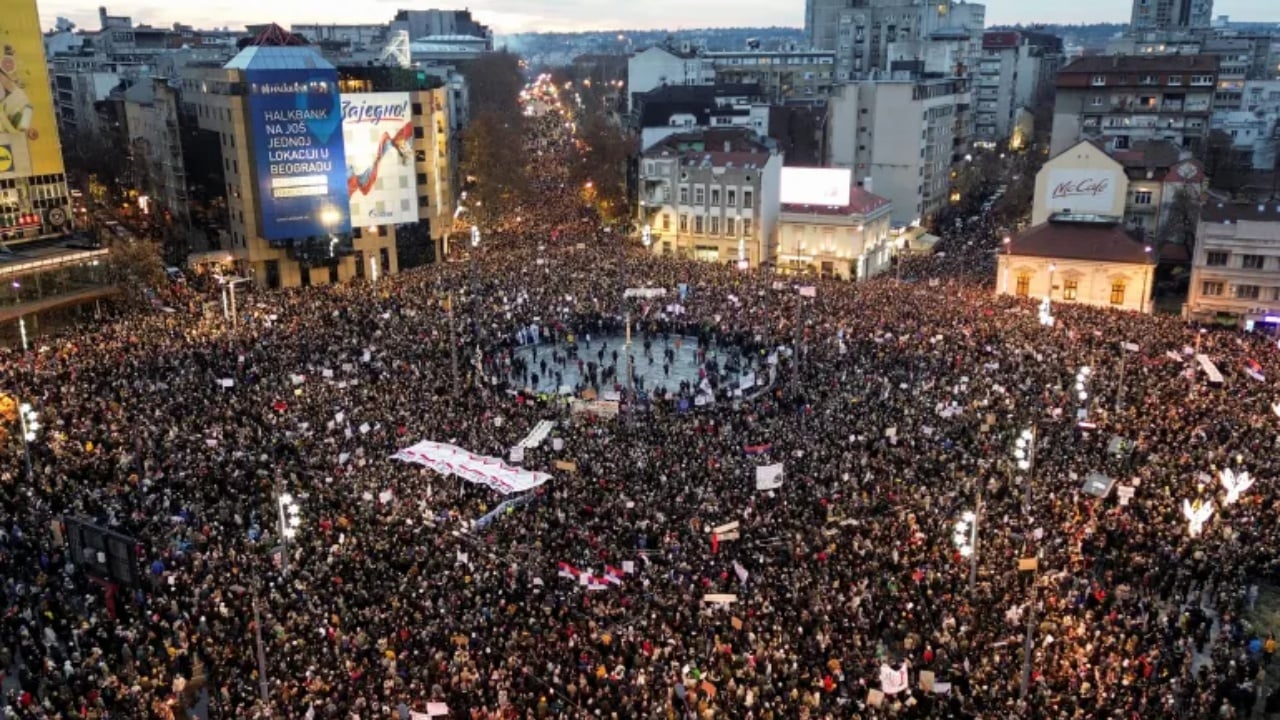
(377, 130)
(1087, 191)
(297, 143)
(825, 187)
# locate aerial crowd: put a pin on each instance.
(844, 591)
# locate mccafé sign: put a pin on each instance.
(1083, 190)
(1088, 187)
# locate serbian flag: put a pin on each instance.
(612, 574)
(1253, 369)
(758, 449)
(568, 571)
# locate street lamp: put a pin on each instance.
(646, 236)
(289, 521)
(966, 540)
(1024, 455)
(475, 299)
(1082, 389)
(29, 424)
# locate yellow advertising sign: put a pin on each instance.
(28, 128)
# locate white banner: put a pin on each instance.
(537, 434)
(488, 471)
(646, 293)
(893, 681)
(769, 477)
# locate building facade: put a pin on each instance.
(1078, 259)
(284, 179)
(1235, 273)
(657, 66)
(784, 76)
(901, 138)
(872, 35)
(711, 196)
(1170, 15)
(849, 242)
(1119, 100)
(151, 111)
(1015, 72)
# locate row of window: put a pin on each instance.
(1221, 258)
(730, 196)
(1071, 289)
(709, 225)
(1101, 80)
(1218, 288)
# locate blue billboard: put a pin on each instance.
(298, 152)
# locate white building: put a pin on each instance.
(901, 138)
(712, 196)
(1015, 70)
(878, 33)
(1078, 259)
(850, 241)
(657, 66)
(1235, 274)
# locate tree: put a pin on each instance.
(96, 154)
(493, 162)
(1222, 163)
(605, 154)
(494, 82)
(136, 267)
(1184, 218)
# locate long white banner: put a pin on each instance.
(537, 434)
(488, 471)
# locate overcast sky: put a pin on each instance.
(507, 16)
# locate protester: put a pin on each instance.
(896, 413)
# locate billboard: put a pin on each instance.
(28, 127)
(377, 130)
(827, 187)
(298, 154)
(1088, 191)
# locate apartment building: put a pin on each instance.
(288, 183)
(151, 112)
(1235, 274)
(784, 76)
(1121, 99)
(1170, 15)
(1016, 68)
(873, 35)
(712, 195)
(901, 138)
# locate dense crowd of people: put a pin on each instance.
(895, 413)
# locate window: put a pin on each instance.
(1247, 292)
(684, 194)
(699, 196)
(715, 224)
(697, 224)
(1117, 293)
(684, 222)
(1098, 80)
(666, 221)
(1070, 288)
(730, 227)
(1147, 80)
(1141, 197)
(1096, 101)
(747, 198)
(1201, 79)
(1122, 142)
(731, 197)
(1216, 259)
(715, 196)
(1212, 288)
(418, 132)
(1252, 262)
(1175, 79)
(1024, 286)
(746, 227)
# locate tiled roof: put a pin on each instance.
(1102, 64)
(1103, 242)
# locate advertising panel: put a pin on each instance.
(377, 129)
(827, 187)
(301, 168)
(1083, 190)
(28, 127)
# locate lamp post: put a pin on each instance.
(1028, 645)
(1082, 389)
(289, 520)
(1142, 306)
(29, 424)
(966, 538)
(1024, 454)
(229, 299)
(475, 300)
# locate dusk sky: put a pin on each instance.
(507, 16)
